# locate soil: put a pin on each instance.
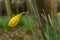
(19, 33)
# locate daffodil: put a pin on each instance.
(58, 14)
(14, 20)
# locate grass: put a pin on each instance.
(51, 32)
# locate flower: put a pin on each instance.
(14, 20)
(58, 14)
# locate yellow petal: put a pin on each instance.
(14, 20)
(58, 14)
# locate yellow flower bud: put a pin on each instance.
(14, 20)
(58, 14)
